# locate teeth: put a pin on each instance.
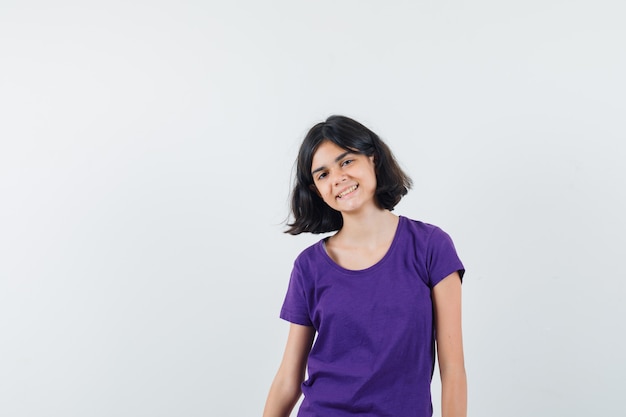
(349, 190)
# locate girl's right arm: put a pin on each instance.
(285, 390)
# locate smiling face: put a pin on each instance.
(344, 179)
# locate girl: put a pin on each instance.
(377, 294)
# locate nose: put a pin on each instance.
(338, 177)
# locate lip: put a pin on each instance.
(347, 191)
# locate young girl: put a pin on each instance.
(378, 293)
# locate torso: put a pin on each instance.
(374, 350)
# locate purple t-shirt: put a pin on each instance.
(375, 348)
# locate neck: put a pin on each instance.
(368, 226)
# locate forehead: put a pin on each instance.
(326, 153)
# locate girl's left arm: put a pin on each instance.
(447, 308)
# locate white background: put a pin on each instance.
(145, 161)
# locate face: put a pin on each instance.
(345, 180)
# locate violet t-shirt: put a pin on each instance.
(375, 348)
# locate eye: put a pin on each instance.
(322, 176)
(347, 162)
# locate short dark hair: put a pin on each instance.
(310, 213)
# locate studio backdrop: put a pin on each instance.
(146, 160)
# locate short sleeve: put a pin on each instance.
(295, 308)
(442, 259)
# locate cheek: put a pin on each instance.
(372, 176)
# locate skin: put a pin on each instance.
(365, 237)
(285, 389)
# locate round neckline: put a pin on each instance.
(331, 261)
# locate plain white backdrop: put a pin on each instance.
(146, 150)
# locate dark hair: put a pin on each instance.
(310, 212)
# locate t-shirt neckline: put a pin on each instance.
(322, 248)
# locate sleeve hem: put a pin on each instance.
(460, 270)
(295, 318)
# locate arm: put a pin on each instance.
(447, 303)
(285, 390)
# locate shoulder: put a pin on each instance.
(423, 231)
(311, 251)
(310, 256)
(440, 256)
(426, 239)
(311, 265)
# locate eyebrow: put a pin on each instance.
(337, 159)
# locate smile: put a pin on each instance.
(347, 191)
